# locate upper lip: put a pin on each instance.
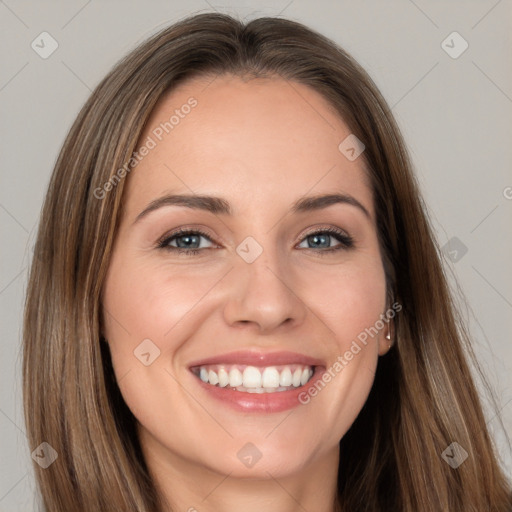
(258, 358)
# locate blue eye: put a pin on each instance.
(188, 242)
(321, 239)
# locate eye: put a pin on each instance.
(186, 241)
(322, 238)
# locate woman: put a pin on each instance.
(237, 299)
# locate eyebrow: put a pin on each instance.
(218, 205)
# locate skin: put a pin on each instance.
(260, 144)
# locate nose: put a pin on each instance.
(264, 294)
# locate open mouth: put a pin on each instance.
(254, 379)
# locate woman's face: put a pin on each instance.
(214, 333)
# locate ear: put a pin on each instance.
(386, 338)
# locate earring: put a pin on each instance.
(388, 337)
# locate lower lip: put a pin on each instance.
(277, 401)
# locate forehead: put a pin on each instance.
(259, 142)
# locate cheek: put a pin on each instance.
(148, 312)
(349, 299)
(149, 302)
(350, 303)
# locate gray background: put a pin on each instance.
(454, 112)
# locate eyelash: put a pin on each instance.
(346, 241)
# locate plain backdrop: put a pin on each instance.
(453, 106)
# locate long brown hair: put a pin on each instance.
(423, 398)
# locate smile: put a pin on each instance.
(253, 379)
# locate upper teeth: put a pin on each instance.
(251, 378)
